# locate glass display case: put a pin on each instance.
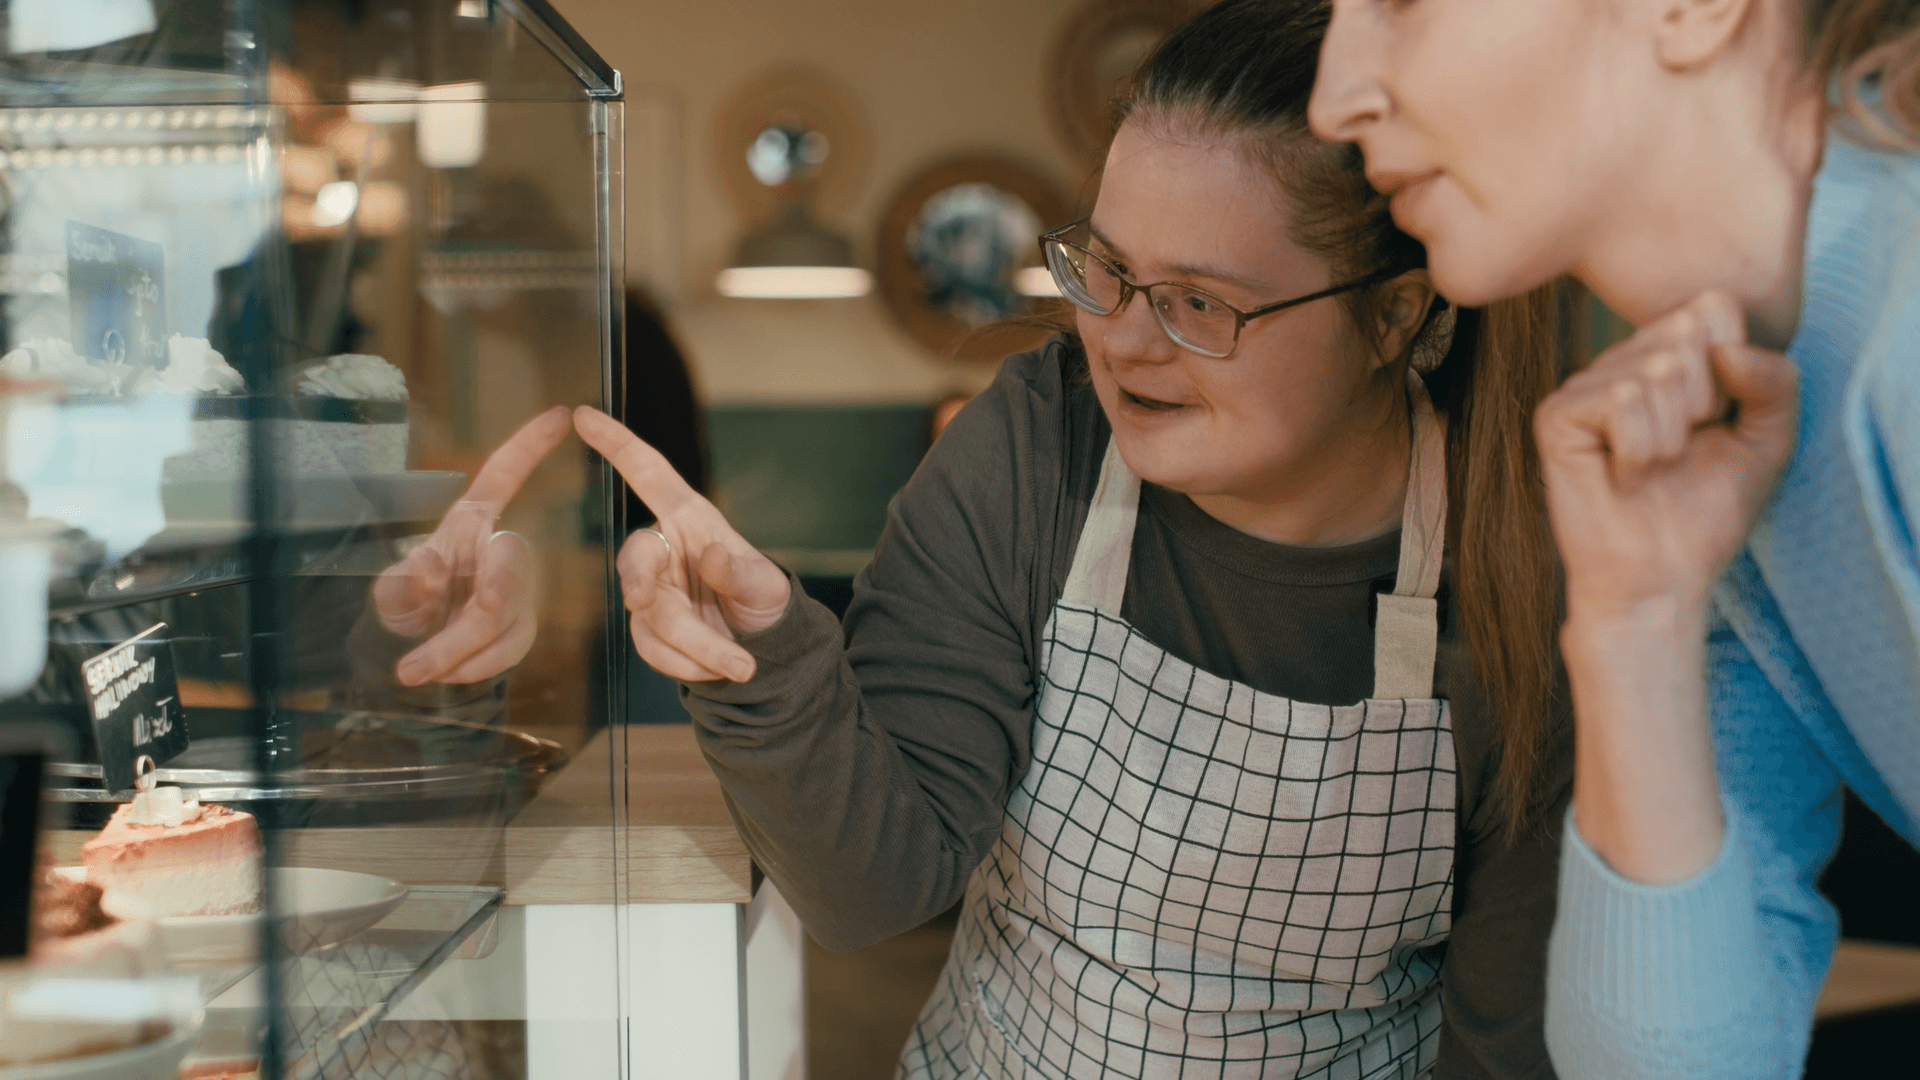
(303, 577)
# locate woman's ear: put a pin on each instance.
(1690, 33)
(1404, 304)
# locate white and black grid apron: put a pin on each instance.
(1198, 879)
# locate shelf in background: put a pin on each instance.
(205, 547)
(195, 559)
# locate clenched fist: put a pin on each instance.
(1658, 458)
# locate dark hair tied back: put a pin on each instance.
(1244, 70)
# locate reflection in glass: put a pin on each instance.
(301, 305)
(968, 242)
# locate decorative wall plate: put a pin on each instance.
(1100, 45)
(791, 133)
(956, 244)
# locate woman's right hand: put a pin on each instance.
(1651, 485)
(1658, 458)
(695, 583)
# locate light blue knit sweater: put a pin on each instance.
(1814, 683)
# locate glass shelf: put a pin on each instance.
(335, 997)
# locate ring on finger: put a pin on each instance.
(663, 539)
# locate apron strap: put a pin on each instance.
(1407, 625)
(1098, 578)
(1406, 636)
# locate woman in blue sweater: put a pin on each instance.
(1737, 178)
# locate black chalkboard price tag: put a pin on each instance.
(117, 295)
(134, 702)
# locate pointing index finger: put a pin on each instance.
(508, 467)
(650, 475)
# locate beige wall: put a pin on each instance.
(933, 78)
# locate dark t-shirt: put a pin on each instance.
(870, 781)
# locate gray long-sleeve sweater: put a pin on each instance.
(868, 766)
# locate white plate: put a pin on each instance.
(319, 909)
(157, 1060)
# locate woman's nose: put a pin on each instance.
(1346, 95)
(1134, 334)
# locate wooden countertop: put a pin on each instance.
(1867, 976)
(680, 846)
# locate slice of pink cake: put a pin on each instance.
(178, 857)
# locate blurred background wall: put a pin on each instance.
(930, 80)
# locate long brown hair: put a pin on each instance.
(1244, 69)
(1871, 43)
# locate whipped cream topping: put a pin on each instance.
(194, 366)
(355, 376)
(52, 358)
(163, 806)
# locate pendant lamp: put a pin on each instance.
(794, 257)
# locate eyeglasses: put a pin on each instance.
(1194, 318)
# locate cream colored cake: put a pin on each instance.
(177, 857)
(354, 407)
(346, 415)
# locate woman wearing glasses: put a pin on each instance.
(1208, 653)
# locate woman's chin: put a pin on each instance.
(1474, 275)
(1165, 462)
